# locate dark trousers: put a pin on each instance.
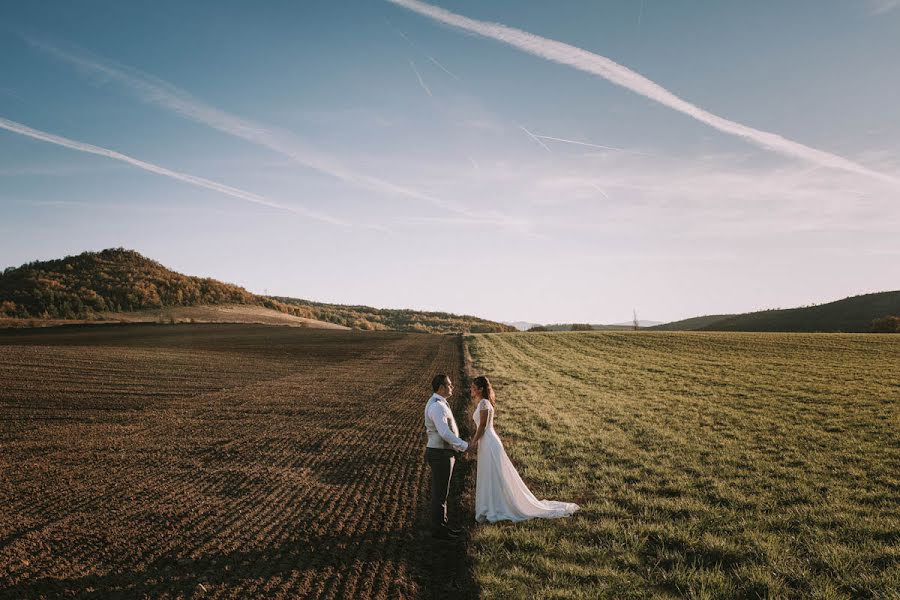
(441, 464)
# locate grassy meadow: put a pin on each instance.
(707, 465)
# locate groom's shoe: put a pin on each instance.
(445, 533)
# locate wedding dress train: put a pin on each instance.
(500, 494)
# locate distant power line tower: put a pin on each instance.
(634, 321)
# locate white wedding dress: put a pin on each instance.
(500, 494)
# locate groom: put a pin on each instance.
(440, 453)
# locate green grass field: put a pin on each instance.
(708, 465)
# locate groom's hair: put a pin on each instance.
(438, 381)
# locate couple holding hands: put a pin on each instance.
(500, 494)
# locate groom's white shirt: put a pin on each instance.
(441, 426)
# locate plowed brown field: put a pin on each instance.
(219, 460)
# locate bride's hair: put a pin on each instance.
(484, 384)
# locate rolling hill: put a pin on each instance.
(367, 317)
(526, 326)
(521, 325)
(641, 323)
(596, 326)
(122, 285)
(692, 324)
(854, 314)
(219, 313)
(584, 327)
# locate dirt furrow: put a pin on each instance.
(222, 461)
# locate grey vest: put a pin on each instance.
(434, 438)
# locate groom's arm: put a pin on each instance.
(439, 415)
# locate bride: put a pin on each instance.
(500, 494)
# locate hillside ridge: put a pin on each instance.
(106, 284)
(854, 314)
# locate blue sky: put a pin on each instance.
(375, 153)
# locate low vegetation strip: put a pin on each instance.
(707, 465)
(367, 317)
(219, 461)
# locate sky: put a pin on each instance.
(548, 162)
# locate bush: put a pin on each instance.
(888, 324)
(538, 328)
(7, 308)
(581, 327)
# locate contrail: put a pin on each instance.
(442, 67)
(165, 95)
(535, 138)
(599, 189)
(556, 139)
(191, 179)
(623, 76)
(403, 35)
(419, 49)
(419, 77)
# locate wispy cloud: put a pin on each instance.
(152, 168)
(160, 93)
(53, 170)
(143, 209)
(880, 7)
(713, 199)
(615, 200)
(613, 72)
(419, 77)
(524, 225)
(155, 91)
(10, 94)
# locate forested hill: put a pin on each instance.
(692, 324)
(396, 319)
(864, 313)
(854, 314)
(114, 280)
(92, 284)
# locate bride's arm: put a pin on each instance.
(482, 418)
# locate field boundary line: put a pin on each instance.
(463, 484)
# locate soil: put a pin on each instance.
(210, 460)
